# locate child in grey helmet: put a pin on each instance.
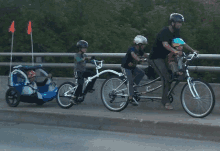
(80, 70)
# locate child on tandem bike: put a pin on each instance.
(175, 61)
(81, 72)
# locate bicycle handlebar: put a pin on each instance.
(98, 66)
(195, 55)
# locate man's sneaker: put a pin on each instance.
(132, 102)
(168, 106)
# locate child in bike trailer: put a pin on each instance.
(175, 60)
(129, 64)
(81, 72)
(32, 88)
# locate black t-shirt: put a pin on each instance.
(128, 58)
(158, 50)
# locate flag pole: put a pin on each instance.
(32, 50)
(29, 31)
(12, 30)
(11, 52)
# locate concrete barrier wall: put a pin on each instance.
(94, 99)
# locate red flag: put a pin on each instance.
(12, 27)
(29, 28)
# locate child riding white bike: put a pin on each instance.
(130, 61)
(81, 72)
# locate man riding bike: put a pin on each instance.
(129, 64)
(161, 48)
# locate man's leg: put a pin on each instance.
(86, 74)
(161, 68)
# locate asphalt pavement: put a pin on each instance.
(34, 137)
(131, 120)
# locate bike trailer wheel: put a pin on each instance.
(12, 97)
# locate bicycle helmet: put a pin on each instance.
(176, 17)
(31, 74)
(178, 42)
(82, 44)
(140, 40)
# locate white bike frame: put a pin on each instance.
(89, 79)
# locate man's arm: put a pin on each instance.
(189, 48)
(168, 47)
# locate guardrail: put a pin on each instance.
(103, 55)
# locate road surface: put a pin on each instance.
(31, 137)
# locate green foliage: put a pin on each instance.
(108, 26)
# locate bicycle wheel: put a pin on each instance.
(114, 94)
(204, 101)
(64, 94)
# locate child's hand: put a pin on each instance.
(180, 53)
(130, 64)
(86, 58)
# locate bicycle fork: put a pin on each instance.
(192, 88)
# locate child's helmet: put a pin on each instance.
(177, 42)
(140, 40)
(82, 44)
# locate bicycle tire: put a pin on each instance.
(60, 90)
(106, 99)
(208, 89)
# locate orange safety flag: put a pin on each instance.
(12, 27)
(29, 28)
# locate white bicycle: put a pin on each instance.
(67, 89)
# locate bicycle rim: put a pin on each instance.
(202, 104)
(64, 101)
(114, 94)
